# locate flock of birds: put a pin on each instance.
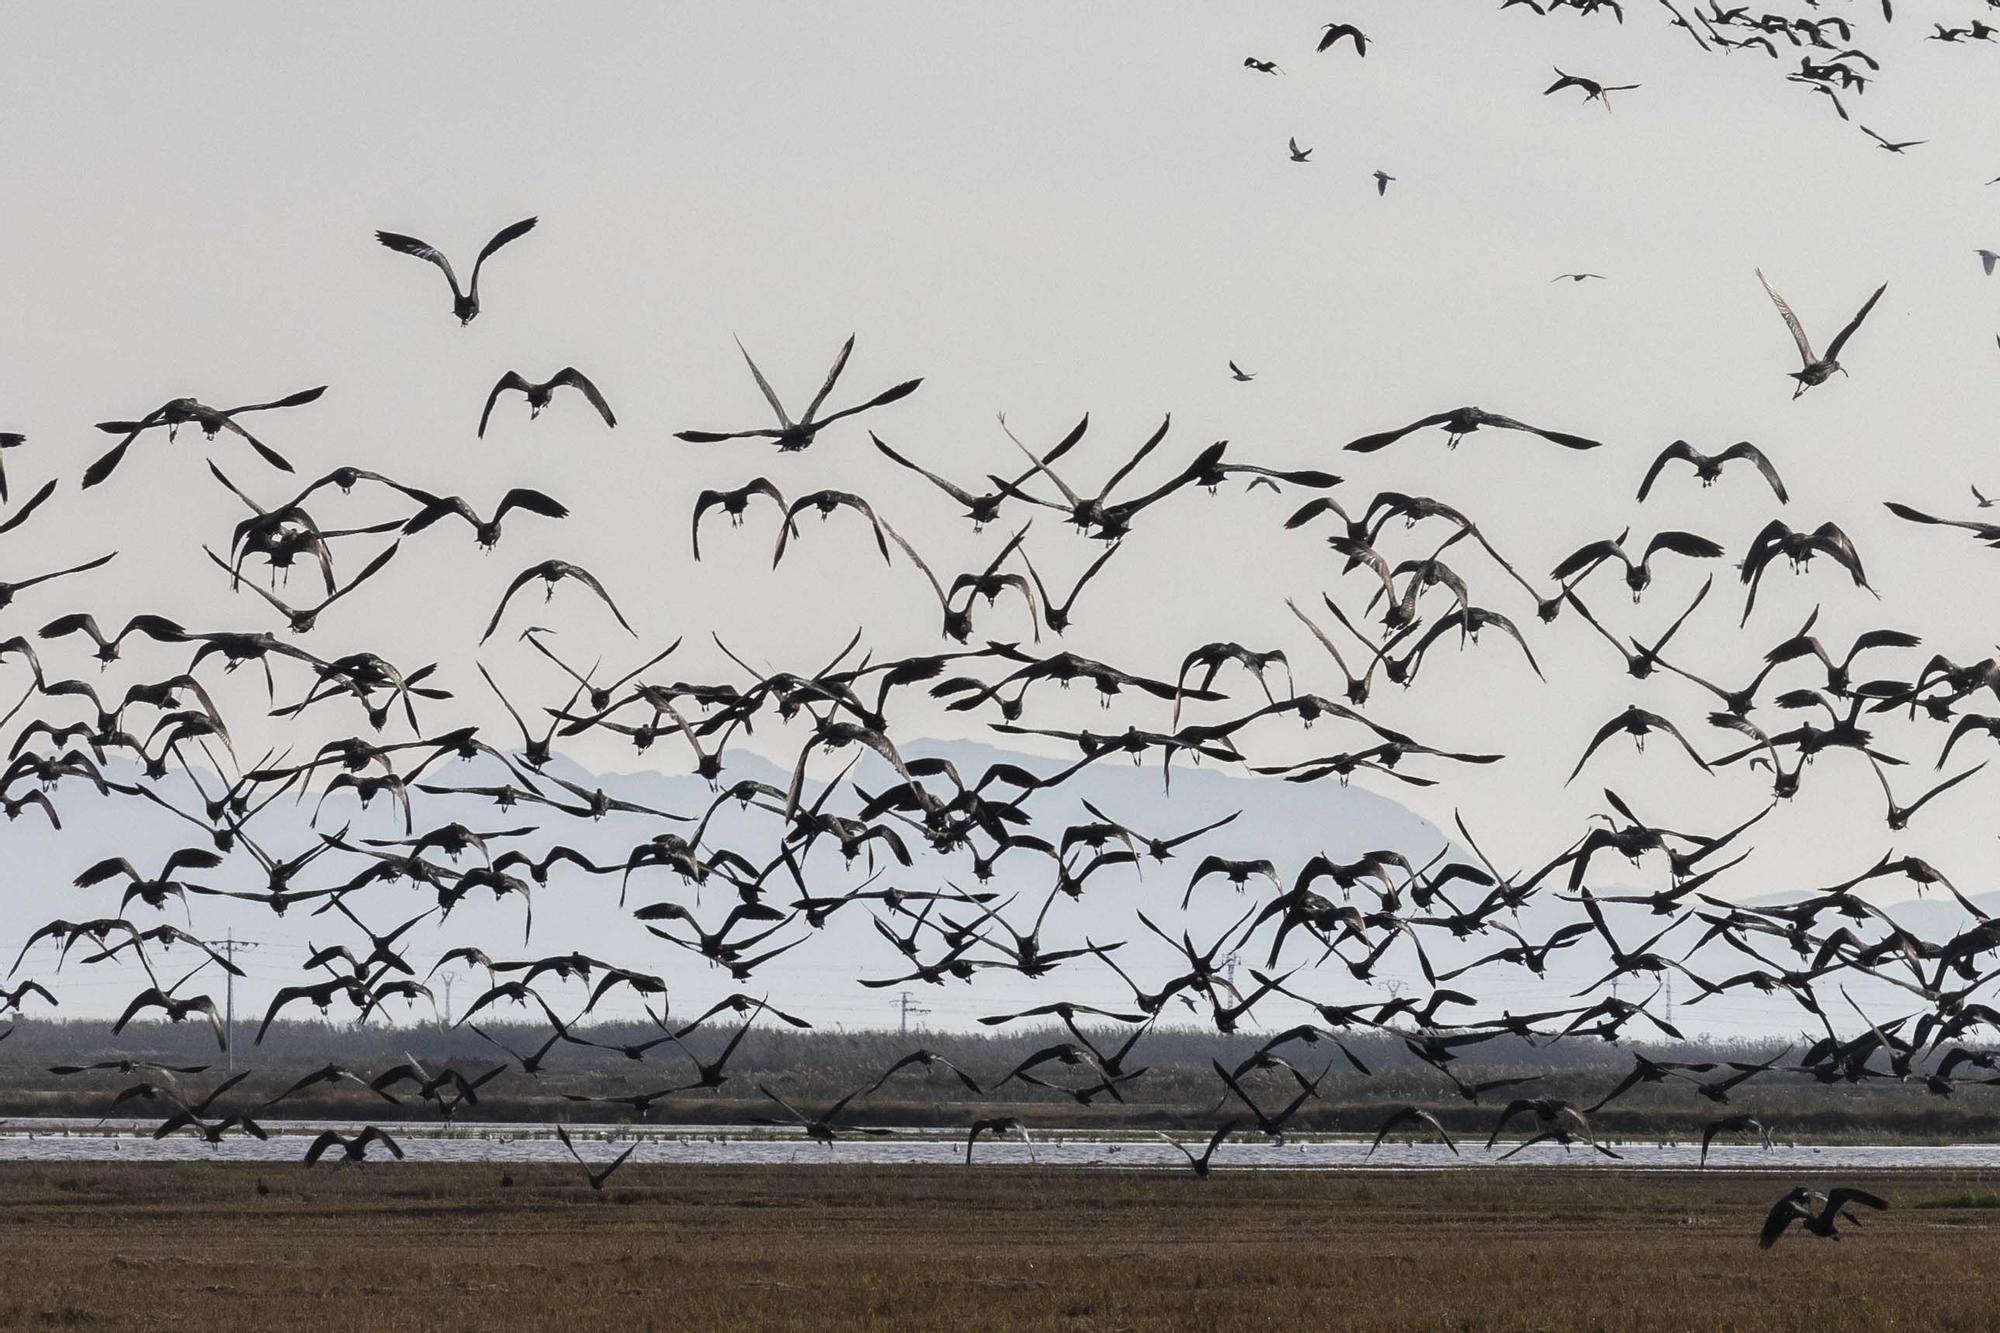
(1418, 578)
(1831, 62)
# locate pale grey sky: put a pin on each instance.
(1043, 210)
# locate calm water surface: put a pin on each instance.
(65, 1140)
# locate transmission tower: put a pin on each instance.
(905, 1006)
(229, 945)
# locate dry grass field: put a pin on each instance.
(130, 1247)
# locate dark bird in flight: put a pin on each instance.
(1298, 154)
(464, 304)
(1236, 372)
(1201, 1163)
(1638, 573)
(1382, 179)
(552, 572)
(596, 1178)
(1734, 1124)
(1593, 91)
(485, 531)
(1413, 1116)
(1261, 66)
(996, 1126)
(1576, 277)
(1461, 422)
(353, 1150)
(735, 503)
(1799, 548)
(188, 411)
(1817, 369)
(540, 394)
(1336, 32)
(1815, 1212)
(1888, 146)
(984, 509)
(1708, 467)
(791, 436)
(1635, 722)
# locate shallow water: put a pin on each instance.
(66, 1140)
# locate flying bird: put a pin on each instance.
(464, 304)
(791, 436)
(538, 395)
(1890, 146)
(189, 411)
(552, 572)
(1708, 467)
(1337, 32)
(1815, 1212)
(1817, 369)
(1593, 91)
(1461, 422)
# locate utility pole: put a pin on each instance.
(906, 1005)
(229, 945)
(448, 977)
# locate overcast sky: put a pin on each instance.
(1044, 210)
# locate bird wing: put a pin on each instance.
(764, 385)
(1840, 339)
(887, 396)
(957, 493)
(576, 379)
(1792, 321)
(1782, 1214)
(20, 515)
(1368, 444)
(1587, 557)
(535, 502)
(1679, 449)
(514, 380)
(1683, 543)
(1834, 542)
(511, 231)
(410, 245)
(1145, 449)
(1562, 438)
(299, 399)
(1837, 1199)
(1604, 733)
(1745, 449)
(520, 581)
